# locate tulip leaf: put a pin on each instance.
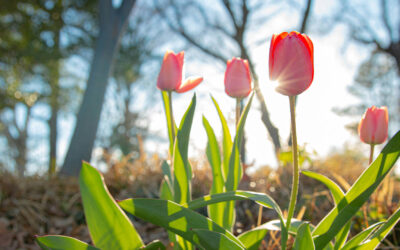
(155, 245)
(275, 225)
(215, 211)
(260, 198)
(226, 139)
(170, 122)
(358, 194)
(173, 217)
(108, 225)
(235, 171)
(214, 240)
(337, 195)
(182, 168)
(360, 237)
(304, 239)
(60, 242)
(166, 190)
(380, 234)
(252, 239)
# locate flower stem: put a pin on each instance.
(238, 109)
(371, 153)
(171, 116)
(295, 184)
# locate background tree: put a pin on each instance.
(375, 26)
(112, 24)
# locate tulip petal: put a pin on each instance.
(189, 84)
(170, 76)
(237, 78)
(291, 63)
(373, 127)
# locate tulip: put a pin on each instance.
(237, 78)
(171, 74)
(373, 127)
(291, 62)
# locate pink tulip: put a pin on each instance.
(237, 78)
(291, 62)
(373, 127)
(171, 74)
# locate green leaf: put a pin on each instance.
(155, 245)
(275, 225)
(252, 239)
(336, 191)
(215, 211)
(62, 242)
(360, 237)
(226, 139)
(337, 195)
(381, 233)
(182, 168)
(170, 124)
(166, 190)
(262, 199)
(304, 239)
(358, 194)
(235, 171)
(108, 225)
(173, 217)
(213, 240)
(166, 169)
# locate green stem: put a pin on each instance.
(238, 109)
(171, 116)
(371, 154)
(295, 184)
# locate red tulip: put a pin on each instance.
(171, 74)
(291, 62)
(237, 78)
(373, 127)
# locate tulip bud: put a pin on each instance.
(291, 62)
(171, 74)
(373, 127)
(237, 78)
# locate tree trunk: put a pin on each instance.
(112, 24)
(53, 123)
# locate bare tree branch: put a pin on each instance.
(385, 19)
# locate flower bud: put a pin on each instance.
(171, 74)
(291, 62)
(237, 78)
(373, 127)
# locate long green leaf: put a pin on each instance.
(214, 240)
(358, 194)
(304, 239)
(275, 225)
(252, 239)
(226, 139)
(108, 225)
(360, 237)
(182, 168)
(48, 242)
(338, 195)
(381, 233)
(215, 211)
(235, 171)
(170, 123)
(173, 217)
(261, 199)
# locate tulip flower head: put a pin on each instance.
(237, 78)
(171, 74)
(373, 127)
(291, 62)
